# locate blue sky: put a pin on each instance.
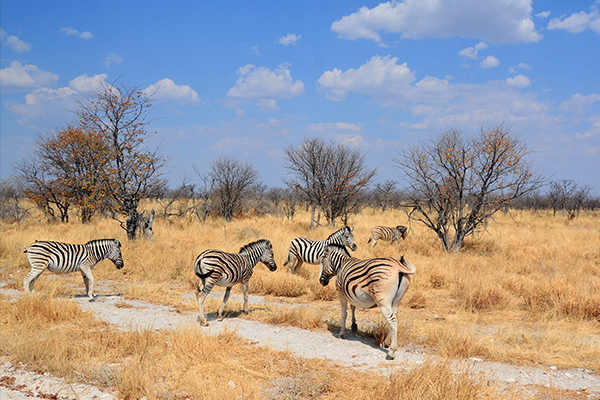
(247, 79)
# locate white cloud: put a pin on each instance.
(495, 21)
(519, 81)
(87, 84)
(435, 102)
(44, 104)
(290, 38)
(14, 42)
(264, 85)
(513, 70)
(255, 50)
(489, 62)
(112, 58)
(472, 52)
(578, 105)
(378, 76)
(19, 77)
(578, 22)
(166, 90)
(338, 126)
(544, 14)
(75, 32)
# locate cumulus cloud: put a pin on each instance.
(290, 38)
(472, 52)
(22, 77)
(87, 84)
(265, 85)
(543, 14)
(436, 102)
(166, 90)
(512, 70)
(519, 81)
(75, 32)
(112, 58)
(489, 62)
(44, 104)
(378, 76)
(14, 42)
(578, 22)
(494, 21)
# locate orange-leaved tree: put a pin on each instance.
(458, 183)
(118, 114)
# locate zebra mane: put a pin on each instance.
(346, 227)
(339, 247)
(101, 241)
(245, 248)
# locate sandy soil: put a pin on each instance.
(355, 351)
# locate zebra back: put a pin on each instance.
(66, 257)
(235, 267)
(311, 251)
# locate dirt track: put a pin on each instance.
(355, 351)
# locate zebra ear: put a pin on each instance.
(117, 242)
(351, 229)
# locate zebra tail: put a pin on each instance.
(287, 260)
(369, 241)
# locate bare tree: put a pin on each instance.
(232, 179)
(383, 194)
(330, 175)
(48, 193)
(11, 198)
(458, 183)
(566, 195)
(119, 114)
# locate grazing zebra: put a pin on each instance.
(367, 283)
(227, 269)
(63, 258)
(387, 233)
(310, 251)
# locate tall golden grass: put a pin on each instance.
(525, 291)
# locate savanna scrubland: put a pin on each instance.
(525, 291)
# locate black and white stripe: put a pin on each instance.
(391, 234)
(64, 258)
(304, 250)
(377, 282)
(215, 267)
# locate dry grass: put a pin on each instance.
(54, 335)
(527, 291)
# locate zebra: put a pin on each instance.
(63, 258)
(387, 233)
(310, 251)
(227, 269)
(379, 282)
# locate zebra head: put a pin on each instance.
(345, 237)
(267, 257)
(114, 253)
(402, 230)
(333, 257)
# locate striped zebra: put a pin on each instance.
(367, 283)
(391, 234)
(304, 250)
(227, 269)
(63, 258)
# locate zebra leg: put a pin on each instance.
(374, 242)
(353, 327)
(88, 279)
(225, 298)
(201, 296)
(299, 263)
(29, 280)
(291, 259)
(245, 290)
(391, 339)
(344, 304)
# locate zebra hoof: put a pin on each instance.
(92, 299)
(354, 328)
(390, 356)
